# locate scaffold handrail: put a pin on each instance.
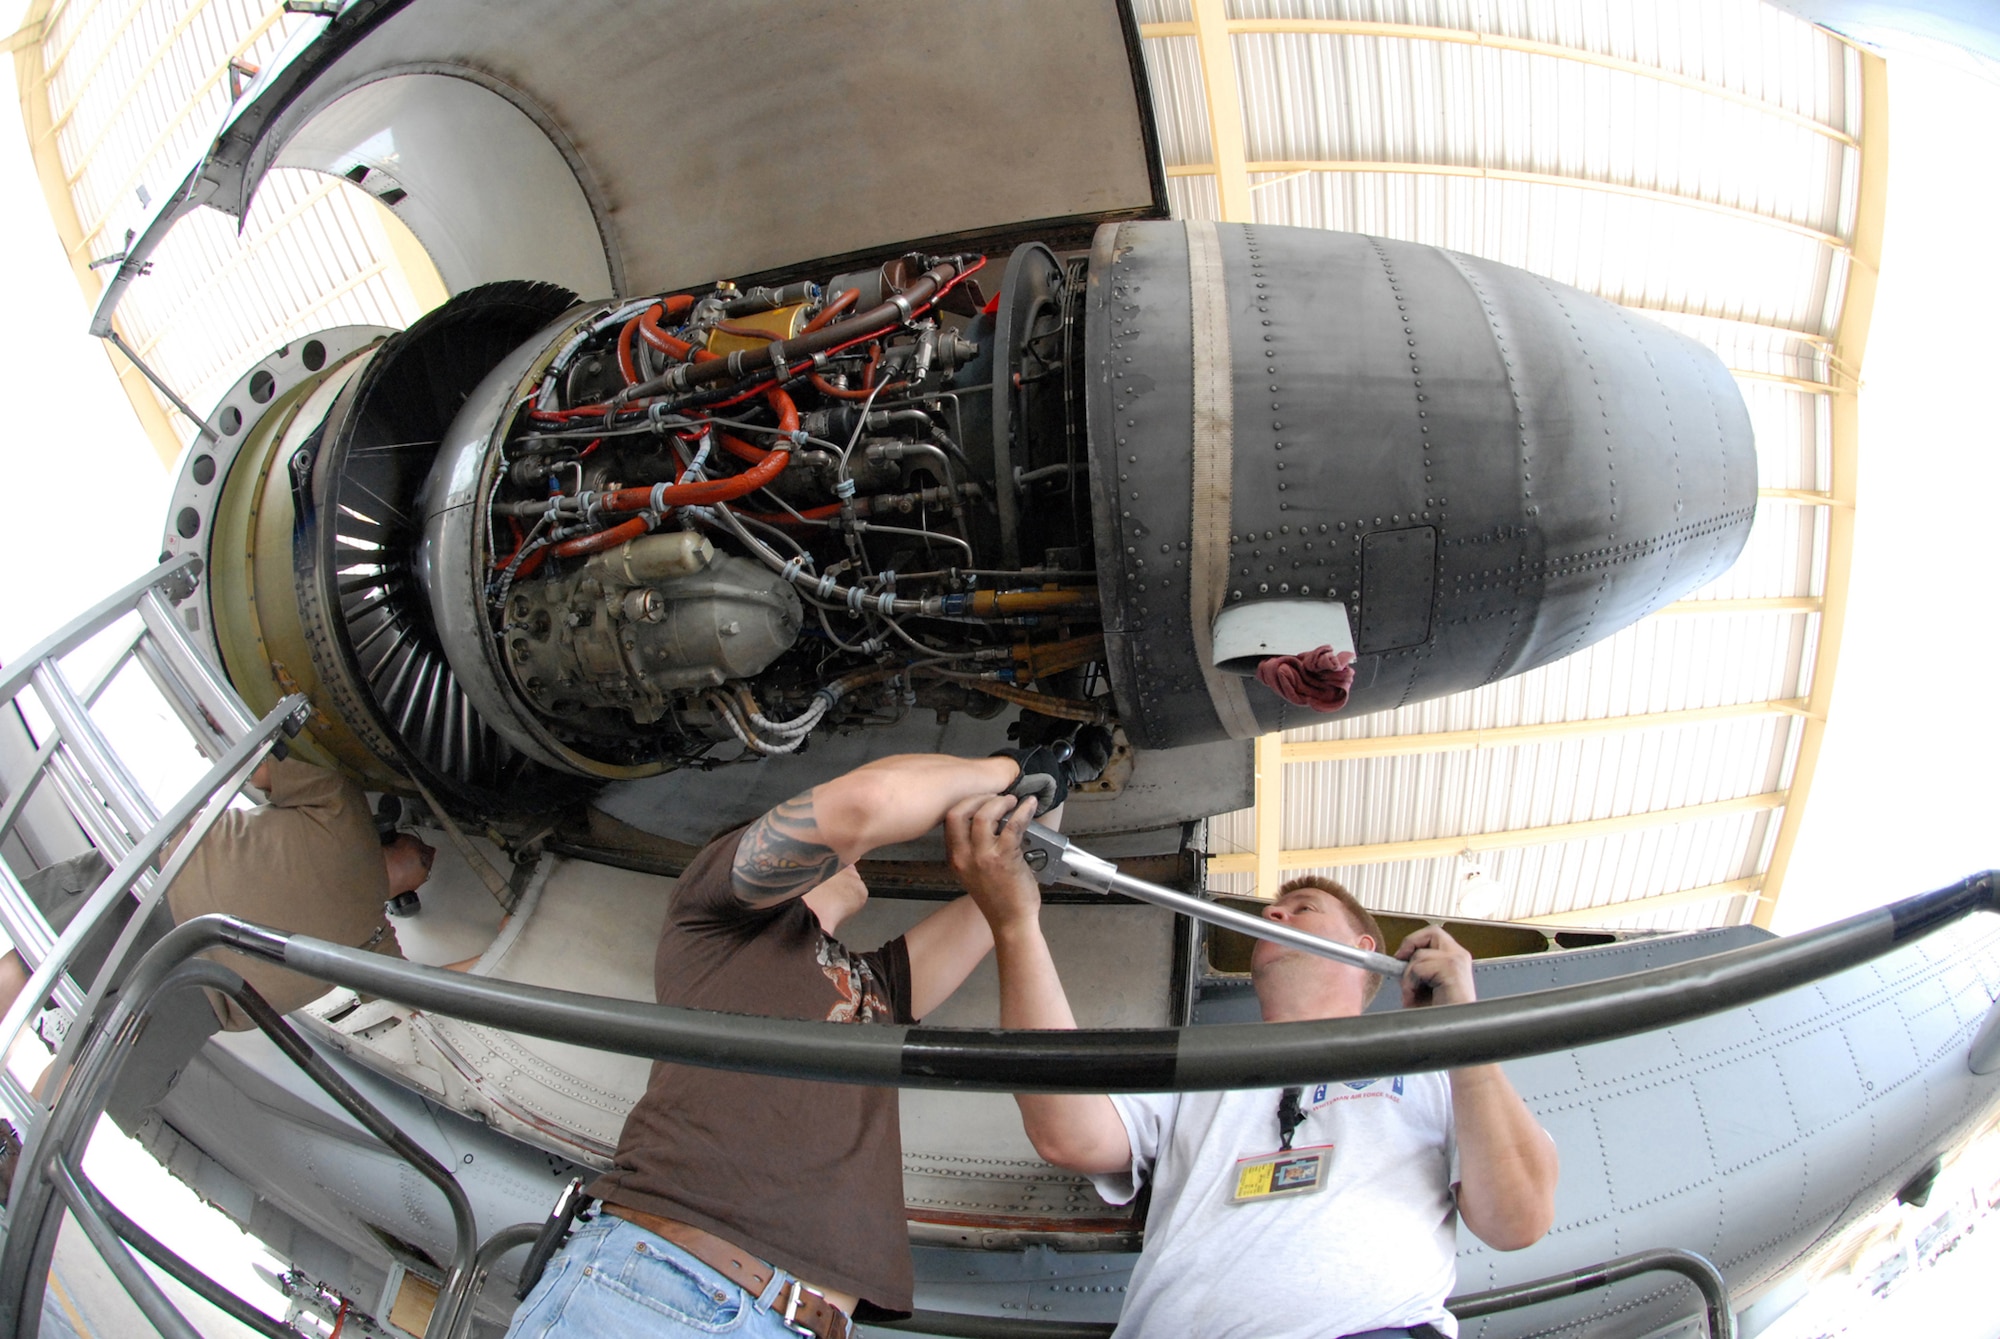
(1211, 1057)
(106, 800)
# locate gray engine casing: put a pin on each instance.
(1488, 469)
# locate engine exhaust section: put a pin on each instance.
(532, 542)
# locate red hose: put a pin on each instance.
(603, 539)
(788, 423)
(836, 307)
(703, 493)
(625, 362)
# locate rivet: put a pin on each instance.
(1263, 588)
(1284, 588)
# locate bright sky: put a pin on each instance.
(1907, 789)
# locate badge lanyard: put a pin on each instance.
(1289, 1171)
(1290, 1116)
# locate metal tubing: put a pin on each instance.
(200, 1284)
(231, 716)
(194, 717)
(132, 357)
(212, 795)
(505, 1240)
(1252, 1055)
(958, 1326)
(87, 808)
(91, 622)
(127, 799)
(1695, 1268)
(93, 689)
(1714, 1292)
(131, 1276)
(1056, 860)
(455, 1295)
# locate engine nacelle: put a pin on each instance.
(532, 539)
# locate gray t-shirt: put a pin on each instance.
(1376, 1248)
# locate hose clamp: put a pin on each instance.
(776, 348)
(902, 304)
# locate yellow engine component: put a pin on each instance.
(744, 333)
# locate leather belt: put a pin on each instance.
(801, 1307)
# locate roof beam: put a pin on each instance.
(1805, 384)
(1514, 736)
(31, 78)
(250, 246)
(1210, 30)
(1773, 604)
(134, 86)
(1434, 848)
(1298, 167)
(55, 60)
(132, 12)
(1804, 497)
(1268, 819)
(1761, 327)
(1642, 906)
(188, 108)
(1857, 309)
(1498, 42)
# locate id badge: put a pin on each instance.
(1297, 1171)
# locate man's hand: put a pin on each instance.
(983, 838)
(1507, 1162)
(1045, 776)
(1440, 969)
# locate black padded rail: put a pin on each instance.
(1248, 1055)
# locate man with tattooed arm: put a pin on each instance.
(764, 1205)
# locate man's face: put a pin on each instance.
(1314, 911)
(408, 860)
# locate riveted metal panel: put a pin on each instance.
(1575, 466)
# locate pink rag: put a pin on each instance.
(1321, 678)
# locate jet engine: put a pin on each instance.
(532, 540)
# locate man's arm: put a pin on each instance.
(947, 944)
(807, 839)
(1506, 1161)
(1079, 1132)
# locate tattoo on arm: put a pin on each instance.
(782, 855)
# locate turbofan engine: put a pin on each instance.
(532, 538)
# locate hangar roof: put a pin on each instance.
(1712, 164)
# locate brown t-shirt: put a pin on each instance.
(806, 1175)
(308, 862)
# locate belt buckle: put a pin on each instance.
(792, 1308)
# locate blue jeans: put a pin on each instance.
(615, 1279)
